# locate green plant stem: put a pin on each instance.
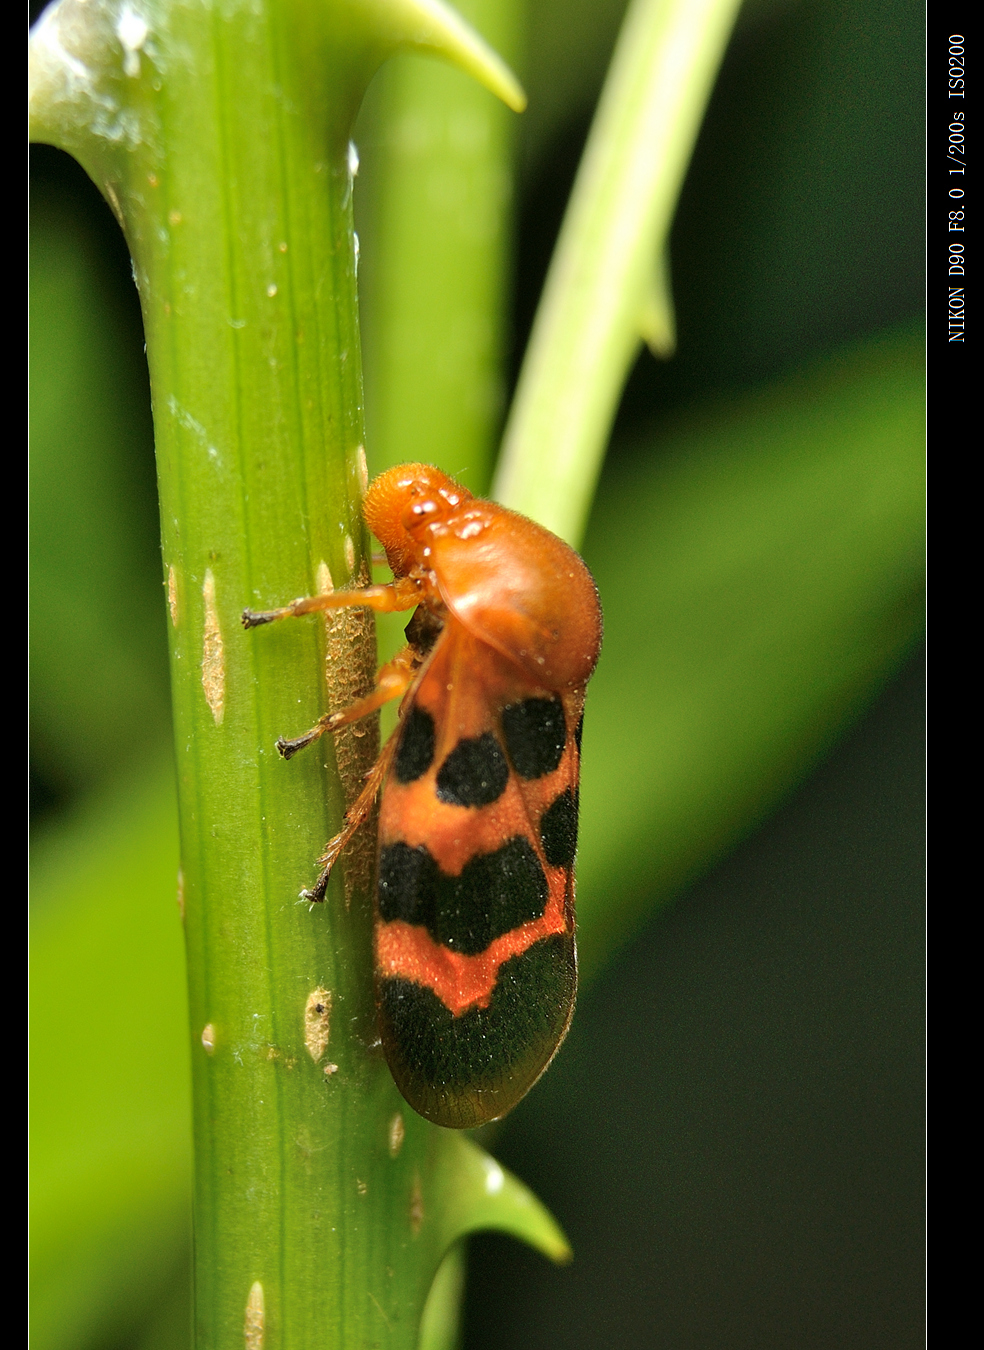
(433, 210)
(608, 284)
(323, 1205)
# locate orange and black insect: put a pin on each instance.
(475, 959)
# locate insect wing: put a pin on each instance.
(475, 950)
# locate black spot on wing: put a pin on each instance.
(495, 893)
(558, 829)
(408, 885)
(474, 774)
(416, 749)
(461, 1071)
(535, 733)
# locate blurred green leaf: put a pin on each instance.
(95, 564)
(760, 566)
(110, 1080)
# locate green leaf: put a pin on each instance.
(473, 1192)
(110, 1084)
(760, 567)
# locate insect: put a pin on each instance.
(475, 959)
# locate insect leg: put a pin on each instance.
(401, 593)
(354, 817)
(392, 681)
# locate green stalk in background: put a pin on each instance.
(434, 210)
(608, 286)
(220, 137)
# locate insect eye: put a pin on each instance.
(419, 512)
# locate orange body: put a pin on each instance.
(475, 957)
(520, 628)
(509, 582)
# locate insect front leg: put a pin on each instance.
(401, 593)
(392, 681)
(354, 817)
